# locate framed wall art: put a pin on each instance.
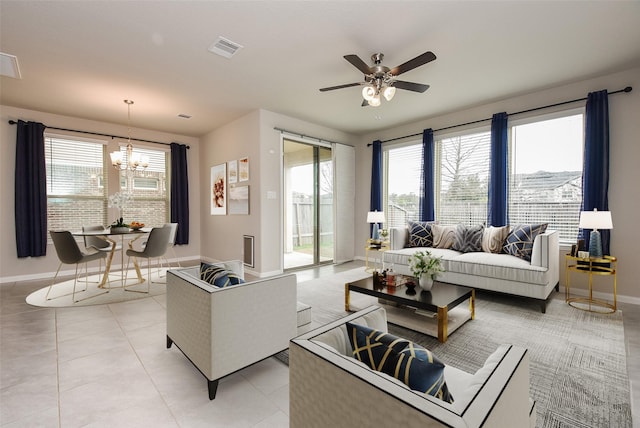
(218, 191)
(239, 200)
(233, 171)
(243, 169)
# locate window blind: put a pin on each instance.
(401, 187)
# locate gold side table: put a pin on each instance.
(378, 246)
(602, 266)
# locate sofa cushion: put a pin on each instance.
(519, 242)
(468, 239)
(218, 276)
(375, 348)
(420, 234)
(498, 266)
(412, 364)
(443, 236)
(493, 238)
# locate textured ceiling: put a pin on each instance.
(82, 59)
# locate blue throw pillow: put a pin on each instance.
(468, 239)
(373, 347)
(420, 234)
(411, 364)
(519, 242)
(218, 276)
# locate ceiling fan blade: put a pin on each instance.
(365, 103)
(358, 63)
(331, 88)
(413, 63)
(410, 86)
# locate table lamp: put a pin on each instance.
(375, 217)
(595, 220)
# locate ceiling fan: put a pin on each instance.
(381, 80)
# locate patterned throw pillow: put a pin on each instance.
(422, 371)
(218, 276)
(374, 347)
(443, 236)
(411, 364)
(519, 242)
(468, 239)
(420, 234)
(493, 238)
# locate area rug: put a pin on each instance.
(61, 293)
(578, 372)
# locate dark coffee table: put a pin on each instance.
(436, 312)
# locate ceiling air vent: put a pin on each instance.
(9, 66)
(225, 47)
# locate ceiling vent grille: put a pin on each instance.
(9, 66)
(225, 47)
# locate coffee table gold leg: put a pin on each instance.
(472, 304)
(443, 320)
(347, 299)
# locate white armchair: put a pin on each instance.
(223, 330)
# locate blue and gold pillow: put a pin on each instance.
(519, 242)
(218, 276)
(420, 234)
(411, 364)
(422, 371)
(375, 348)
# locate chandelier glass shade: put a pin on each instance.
(133, 160)
(377, 87)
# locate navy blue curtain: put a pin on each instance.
(180, 192)
(595, 172)
(30, 190)
(376, 179)
(497, 214)
(427, 196)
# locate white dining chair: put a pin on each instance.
(155, 247)
(96, 243)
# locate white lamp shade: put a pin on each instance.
(375, 101)
(375, 217)
(389, 92)
(595, 220)
(116, 158)
(368, 92)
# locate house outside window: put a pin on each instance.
(76, 193)
(545, 175)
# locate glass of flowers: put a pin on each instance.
(425, 267)
(119, 200)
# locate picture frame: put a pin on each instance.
(218, 189)
(233, 171)
(247, 250)
(239, 200)
(243, 169)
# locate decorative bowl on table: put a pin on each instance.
(119, 229)
(136, 225)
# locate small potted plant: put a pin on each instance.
(119, 200)
(384, 234)
(119, 226)
(425, 267)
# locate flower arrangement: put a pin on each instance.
(422, 262)
(119, 200)
(384, 233)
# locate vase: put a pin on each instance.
(425, 281)
(115, 229)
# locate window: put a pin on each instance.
(148, 187)
(545, 185)
(401, 188)
(545, 178)
(76, 194)
(462, 174)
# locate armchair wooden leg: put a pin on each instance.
(212, 385)
(169, 342)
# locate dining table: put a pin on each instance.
(111, 237)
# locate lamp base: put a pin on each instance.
(595, 244)
(376, 232)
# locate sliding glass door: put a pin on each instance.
(308, 211)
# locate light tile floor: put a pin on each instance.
(107, 366)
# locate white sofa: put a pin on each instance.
(488, 271)
(223, 330)
(329, 388)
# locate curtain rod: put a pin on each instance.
(320, 140)
(13, 122)
(627, 89)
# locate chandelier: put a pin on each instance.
(134, 160)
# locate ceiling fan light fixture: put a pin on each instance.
(389, 92)
(375, 101)
(368, 92)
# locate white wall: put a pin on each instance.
(624, 196)
(13, 268)
(254, 136)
